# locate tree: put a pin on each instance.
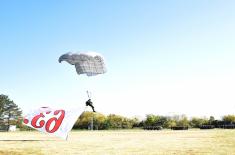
(161, 121)
(118, 122)
(197, 122)
(10, 113)
(3, 100)
(229, 119)
(86, 118)
(114, 121)
(151, 120)
(98, 120)
(164, 121)
(136, 122)
(183, 121)
(169, 123)
(127, 123)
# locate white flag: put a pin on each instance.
(56, 122)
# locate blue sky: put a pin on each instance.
(163, 57)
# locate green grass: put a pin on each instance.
(123, 142)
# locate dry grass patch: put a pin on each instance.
(127, 142)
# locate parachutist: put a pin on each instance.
(89, 103)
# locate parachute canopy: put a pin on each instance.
(89, 63)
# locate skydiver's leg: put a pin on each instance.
(93, 108)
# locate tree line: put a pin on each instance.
(11, 114)
(112, 121)
(91, 120)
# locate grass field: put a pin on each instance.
(123, 142)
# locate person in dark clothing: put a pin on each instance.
(89, 103)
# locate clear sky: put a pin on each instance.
(163, 57)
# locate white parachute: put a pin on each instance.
(89, 63)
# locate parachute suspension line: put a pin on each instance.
(88, 94)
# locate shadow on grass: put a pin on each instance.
(23, 140)
(21, 152)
